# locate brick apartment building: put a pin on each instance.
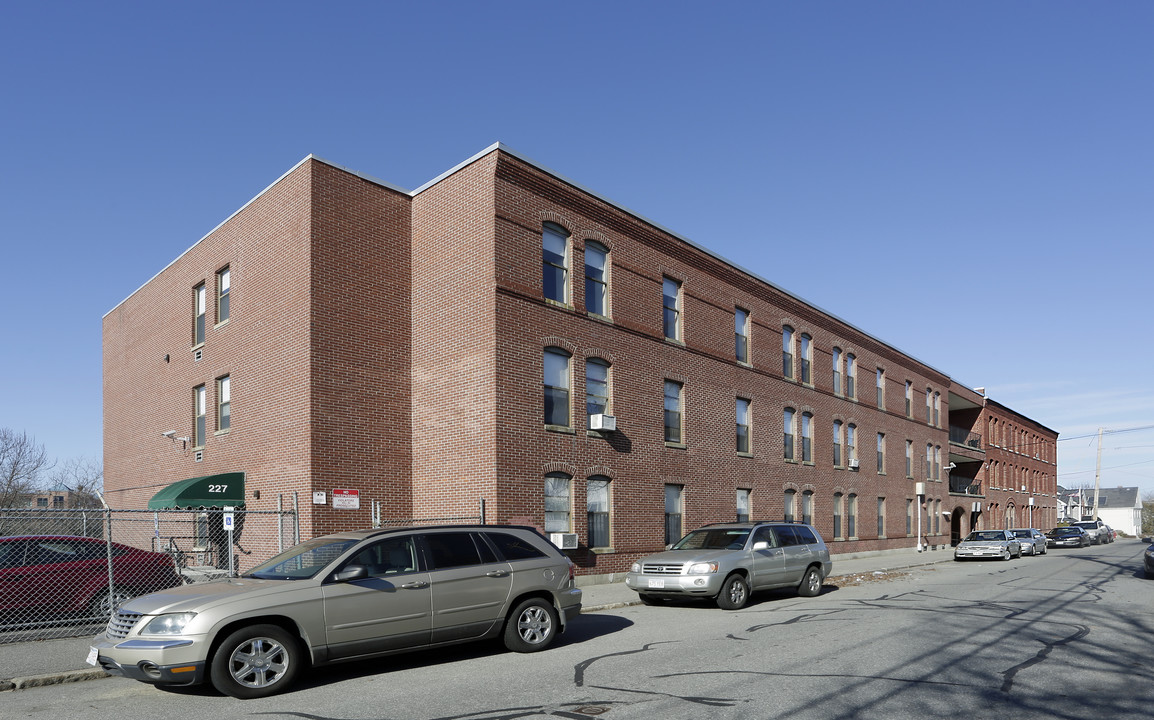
(458, 344)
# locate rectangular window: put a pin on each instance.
(741, 335)
(806, 437)
(223, 288)
(850, 376)
(556, 387)
(673, 511)
(598, 509)
(743, 505)
(881, 453)
(673, 412)
(787, 352)
(743, 426)
(937, 409)
(198, 303)
(881, 517)
(671, 302)
(807, 507)
(806, 359)
(851, 516)
(851, 443)
(909, 516)
(881, 384)
(837, 501)
(788, 506)
(198, 431)
(596, 279)
(909, 458)
(596, 386)
(787, 426)
(837, 371)
(837, 429)
(557, 503)
(223, 403)
(909, 399)
(555, 263)
(929, 407)
(929, 462)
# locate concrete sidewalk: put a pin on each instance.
(48, 662)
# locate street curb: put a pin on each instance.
(72, 676)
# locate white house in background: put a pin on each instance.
(1073, 503)
(1120, 508)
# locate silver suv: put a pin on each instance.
(346, 597)
(1096, 529)
(729, 561)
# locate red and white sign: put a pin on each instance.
(345, 499)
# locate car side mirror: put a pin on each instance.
(761, 545)
(351, 573)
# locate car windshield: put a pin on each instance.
(1063, 531)
(1087, 525)
(719, 539)
(986, 535)
(1023, 533)
(302, 561)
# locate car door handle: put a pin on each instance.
(497, 573)
(415, 585)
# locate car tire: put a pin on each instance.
(810, 583)
(650, 599)
(105, 603)
(734, 593)
(531, 626)
(256, 661)
(1006, 554)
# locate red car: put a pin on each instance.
(45, 577)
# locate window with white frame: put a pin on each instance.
(850, 376)
(789, 505)
(596, 278)
(851, 515)
(198, 421)
(557, 507)
(909, 399)
(909, 458)
(743, 498)
(837, 371)
(741, 335)
(597, 500)
(881, 453)
(671, 308)
(556, 387)
(807, 507)
(837, 442)
(838, 500)
(198, 308)
(787, 424)
(881, 388)
(673, 513)
(555, 263)
(881, 517)
(673, 412)
(807, 437)
(742, 416)
(597, 387)
(223, 294)
(787, 352)
(223, 403)
(806, 359)
(850, 443)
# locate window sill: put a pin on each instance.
(745, 455)
(220, 324)
(599, 317)
(218, 433)
(603, 550)
(807, 462)
(558, 304)
(675, 445)
(196, 347)
(791, 461)
(745, 364)
(675, 341)
(564, 429)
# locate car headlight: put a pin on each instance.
(171, 624)
(636, 567)
(702, 568)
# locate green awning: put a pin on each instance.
(226, 489)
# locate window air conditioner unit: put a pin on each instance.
(853, 464)
(604, 423)
(565, 541)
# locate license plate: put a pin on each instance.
(92, 653)
(656, 583)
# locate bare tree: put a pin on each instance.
(22, 462)
(1148, 513)
(84, 480)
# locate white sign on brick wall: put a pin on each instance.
(345, 499)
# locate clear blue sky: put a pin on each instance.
(970, 182)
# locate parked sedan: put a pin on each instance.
(1072, 536)
(1033, 540)
(1148, 560)
(48, 577)
(989, 544)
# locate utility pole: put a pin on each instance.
(1097, 475)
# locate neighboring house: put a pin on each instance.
(1120, 508)
(504, 341)
(1071, 504)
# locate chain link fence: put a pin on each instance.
(63, 572)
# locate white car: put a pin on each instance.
(989, 544)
